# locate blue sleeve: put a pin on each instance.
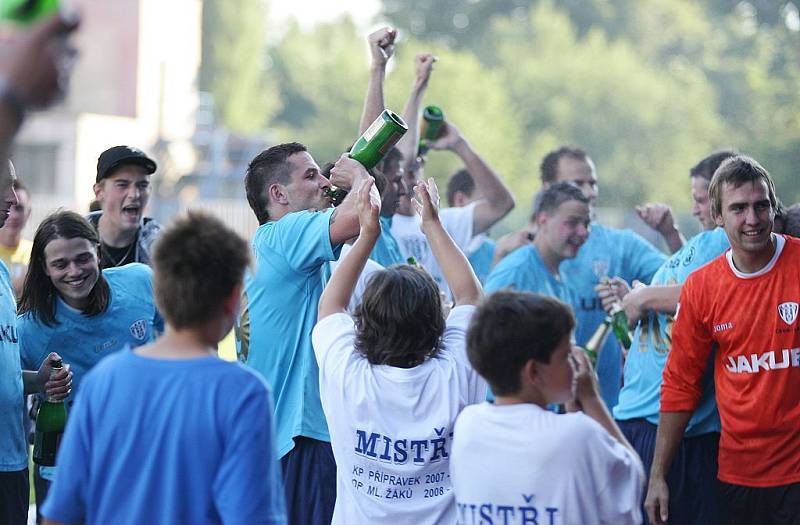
(31, 342)
(302, 238)
(641, 259)
(67, 498)
(248, 487)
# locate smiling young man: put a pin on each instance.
(739, 313)
(562, 218)
(299, 234)
(608, 252)
(123, 190)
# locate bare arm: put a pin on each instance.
(496, 199)
(456, 268)
(409, 144)
(337, 293)
(347, 174)
(671, 427)
(381, 49)
(659, 217)
(587, 395)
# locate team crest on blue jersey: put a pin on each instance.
(788, 312)
(139, 329)
(600, 268)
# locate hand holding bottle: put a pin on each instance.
(611, 291)
(346, 172)
(59, 385)
(449, 138)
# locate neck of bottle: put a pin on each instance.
(54, 369)
(599, 336)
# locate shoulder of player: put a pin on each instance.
(128, 277)
(291, 224)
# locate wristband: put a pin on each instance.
(12, 100)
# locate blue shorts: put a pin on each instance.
(309, 480)
(692, 478)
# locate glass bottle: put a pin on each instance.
(50, 422)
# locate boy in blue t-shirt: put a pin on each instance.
(168, 432)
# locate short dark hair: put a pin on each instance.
(736, 171)
(38, 293)
(706, 167)
(393, 155)
(548, 171)
(791, 220)
(510, 328)
(197, 262)
(460, 181)
(550, 198)
(268, 167)
(399, 321)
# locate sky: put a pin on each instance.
(310, 12)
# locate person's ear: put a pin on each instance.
(277, 193)
(230, 305)
(530, 375)
(99, 190)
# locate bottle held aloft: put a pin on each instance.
(378, 139)
(50, 422)
(431, 127)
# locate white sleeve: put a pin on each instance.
(458, 223)
(332, 339)
(619, 477)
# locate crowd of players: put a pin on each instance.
(362, 390)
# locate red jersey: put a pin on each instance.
(751, 322)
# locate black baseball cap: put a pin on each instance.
(117, 156)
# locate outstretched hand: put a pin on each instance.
(381, 45)
(426, 201)
(368, 205)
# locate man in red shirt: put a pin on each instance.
(739, 313)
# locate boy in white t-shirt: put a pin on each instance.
(394, 376)
(514, 462)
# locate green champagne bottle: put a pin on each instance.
(595, 344)
(26, 12)
(50, 422)
(379, 137)
(619, 323)
(431, 128)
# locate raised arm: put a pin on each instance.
(456, 268)
(659, 217)
(381, 49)
(409, 144)
(337, 293)
(496, 199)
(347, 174)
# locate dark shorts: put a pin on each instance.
(14, 497)
(309, 479)
(692, 478)
(739, 505)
